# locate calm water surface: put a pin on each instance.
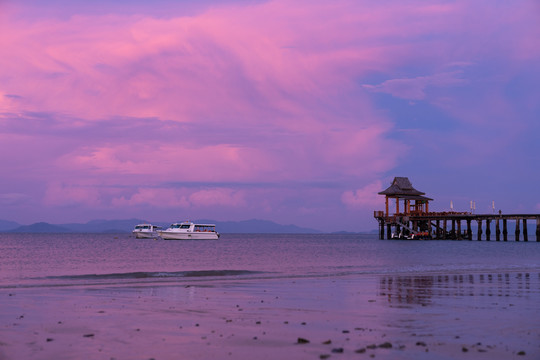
(33, 260)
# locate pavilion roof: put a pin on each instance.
(401, 187)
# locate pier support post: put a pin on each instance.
(381, 229)
(469, 230)
(488, 230)
(497, 230)
(479, 237)
(538, 229)
(453, 235)
(445, 234)
(438, 229)
(517, 230)
(388, 231)
(525, 231)
(505, 230)
(459, 237)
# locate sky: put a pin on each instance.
(297, 112)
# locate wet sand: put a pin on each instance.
(415, 316)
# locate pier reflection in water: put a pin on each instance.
(425, 289)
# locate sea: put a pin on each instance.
(63, 260)
(267, 296)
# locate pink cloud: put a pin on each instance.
(366, 197)
(163, 198)
(58, 194)
(266, 93)
(170, 161)
(223, 196)
(181, 198)
(415, 88)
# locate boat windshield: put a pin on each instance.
(180, 226)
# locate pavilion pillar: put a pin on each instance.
(386, 206)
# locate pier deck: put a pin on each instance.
(417, 222)
(456, 225)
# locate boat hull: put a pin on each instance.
(145, 235)
(171, 235)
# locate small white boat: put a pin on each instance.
(190, 231)
(146, 231)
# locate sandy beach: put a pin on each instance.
(419, 316)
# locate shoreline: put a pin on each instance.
(389, 316)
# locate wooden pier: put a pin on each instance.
(417, 222)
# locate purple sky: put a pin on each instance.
(291, 111)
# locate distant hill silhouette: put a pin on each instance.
(8, 225)
(258, 226)
(41, 227)
(118, 226)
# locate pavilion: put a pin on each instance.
(414, 201)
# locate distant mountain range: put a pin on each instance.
(121, 226)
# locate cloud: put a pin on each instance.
(162, 198)
(103, 108)
(364, 197)
(220, 197)
(10, 199)
(181, 198)
(415, 88)
(59, 194)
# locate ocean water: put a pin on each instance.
(245, 296)
(51, 260)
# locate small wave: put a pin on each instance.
(155, 274)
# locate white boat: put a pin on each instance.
(146, 231)
(190, 231)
